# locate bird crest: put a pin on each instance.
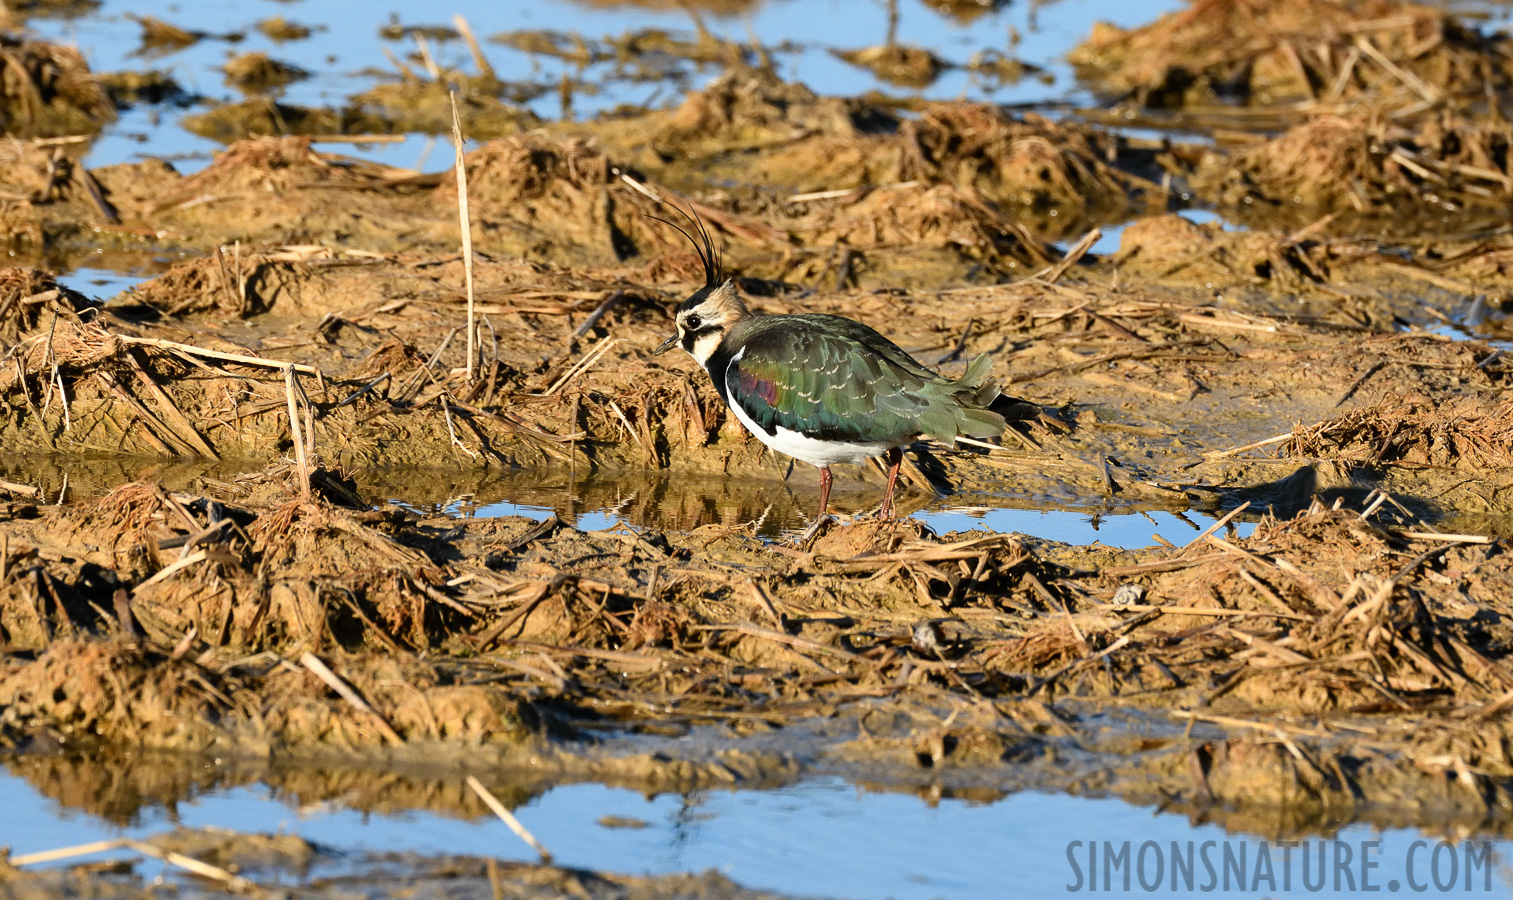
(714, 262)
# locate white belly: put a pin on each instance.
(818, 453)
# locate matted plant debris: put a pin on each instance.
(1013, 160)
(30, 299)
(1265, 52)
(898, 64)
(1470, 434)
(48, 90)
(196, 553)
(1371, 166)
(478, 634)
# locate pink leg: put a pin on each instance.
(825, 480)
(895, 459)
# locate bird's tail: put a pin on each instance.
(967, 400)
(978, 383)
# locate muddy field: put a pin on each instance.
(219, 576)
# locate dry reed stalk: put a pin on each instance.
(294, 433)
(22, 489)
(467, 228)
(479, 60)
(451, 430)
(61, 853)
(189, 864)
(582, 365)
(203, 869)
(178, 565)
(1213, 528)
(1256, 445)
(312, 662)
(1080, 249)
(508, 818)
(216, 354)
(184, 430)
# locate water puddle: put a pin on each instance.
(346, 55)
(101, 284)
(776, 509)
(1479, 319)
(823, 837)
(1123, 530)
(1128, 531)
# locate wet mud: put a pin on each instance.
(226, 579)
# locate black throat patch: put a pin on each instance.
(692, 337)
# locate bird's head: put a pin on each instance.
(704, 318)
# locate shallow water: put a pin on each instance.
(1125, 530)
(656, 500)
(346, 55)
(101, 284)
(822, 837)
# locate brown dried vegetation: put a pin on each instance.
(1326, 613)
(1265, 52)
(1369, 165)
(47, 90)
(1470, 434)
(329, 288)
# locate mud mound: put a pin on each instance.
(1262, 52)
(118, 692)
(1173, 248)
(272, 166)
(1355, 636)
(29, 299)
(752, 107)
(27, 169)
(48, 90)
(1371, 166)
(123, 528)
(259, 117)
(106, 691)
(1468, 434)
(1029, 161)
(564, 201)
(229, 285)
(44, 189)
(424, 105)
(325, 555)
(918, 216)
(257, 72)
(543, 198)
(1023, 161)
(528, 171)
(899, 64)
(241, 282)
(46, 594)
(277, 190)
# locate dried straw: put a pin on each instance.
(467, 232)
(508, 818)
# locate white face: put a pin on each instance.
(703, 323)
(701, 329)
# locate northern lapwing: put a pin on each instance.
(824, 389)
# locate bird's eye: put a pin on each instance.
(693, 323)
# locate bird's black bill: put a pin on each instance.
(665, 346)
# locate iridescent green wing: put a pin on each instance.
(824, 383)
